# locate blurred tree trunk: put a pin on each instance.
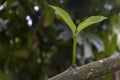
(117, 75)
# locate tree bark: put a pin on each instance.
(91, 70)
(117, 75)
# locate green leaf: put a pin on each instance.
(65, 16)
(89, 21)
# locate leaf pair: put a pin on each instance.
(75, 30)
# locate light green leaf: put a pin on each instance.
(89, 21)
(65, 16)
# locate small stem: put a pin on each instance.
(74, 51)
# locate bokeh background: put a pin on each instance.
(35, 44)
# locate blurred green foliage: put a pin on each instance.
(35, 45)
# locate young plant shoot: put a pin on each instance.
(76, 30)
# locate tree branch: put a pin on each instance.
(91, 70)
